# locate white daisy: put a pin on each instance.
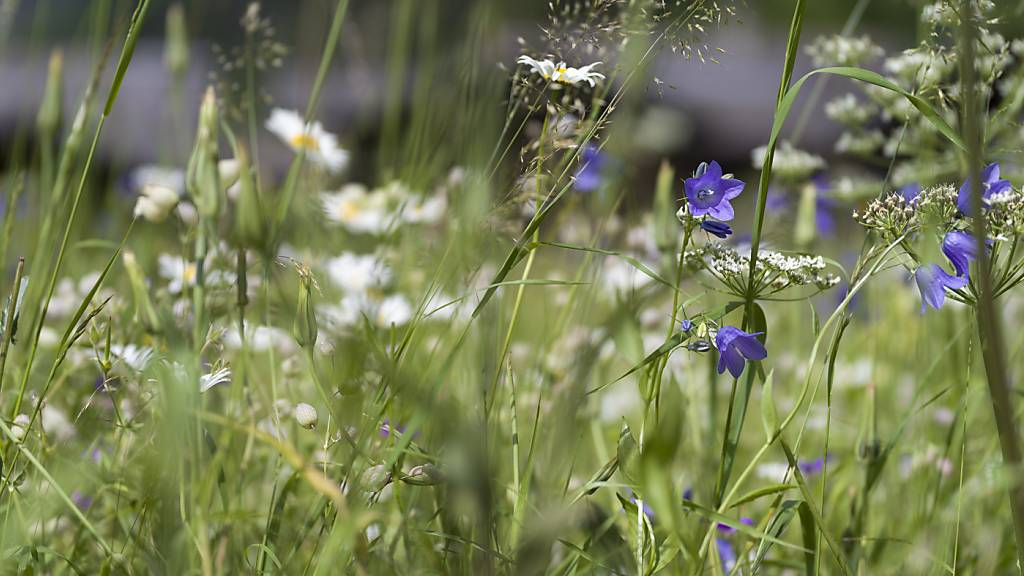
(178, 272)
(394, 309)
(357, 210)
(357, 273)
(562, 73)
(428, 210)
(320, 146)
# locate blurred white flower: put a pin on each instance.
(429, 210)
(562, 73)
(772, 471)
(357, 210)
(394, 309)
(56, 423)
(178, 272)
(620, 278)
(357, 273)
(219, 376)
(155, 202)
(260, 339)
(320, 146)
(790, 163)
(134, 357)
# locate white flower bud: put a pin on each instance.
(18, 432)
(305, 415)
(228, 171)
(22, 420)
(155, 202)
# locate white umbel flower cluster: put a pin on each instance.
(790, 163)
(774, 271)
(843, 51)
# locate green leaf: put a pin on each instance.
(626, 454)
(739, 526)
(809, 537)
(805, 491)
(629, 259)
(126, 54)
(869, 77)
(776, 528)
(670, 344)
(760, 493)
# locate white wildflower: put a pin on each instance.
(357, 273)
(393, 310)
(789, 163)
(219, 376)
(155, 202)
(621, 278)
(559, 72)
(320, 146)
(429, 210)
(842, 51)
(134, 357)
(357, 210)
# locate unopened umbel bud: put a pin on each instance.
(305, 415)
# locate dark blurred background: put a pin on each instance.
(708, 110)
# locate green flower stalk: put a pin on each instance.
(49, 116)
(144, 309)
(176, 51)
(250, 224)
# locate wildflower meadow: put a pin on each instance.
(625, 287)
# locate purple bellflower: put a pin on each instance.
(708, 193)
(592, 163)
(813, 467)
(961, 248)
(735, 347)
(932, 281)
(990, 184)
(726, 553)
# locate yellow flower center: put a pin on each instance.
(347, 211)
(188, 274)
(305, 141)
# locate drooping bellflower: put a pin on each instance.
(735, 347)
(708, 193)
(932, 281)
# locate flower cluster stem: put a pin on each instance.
(989, 328)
